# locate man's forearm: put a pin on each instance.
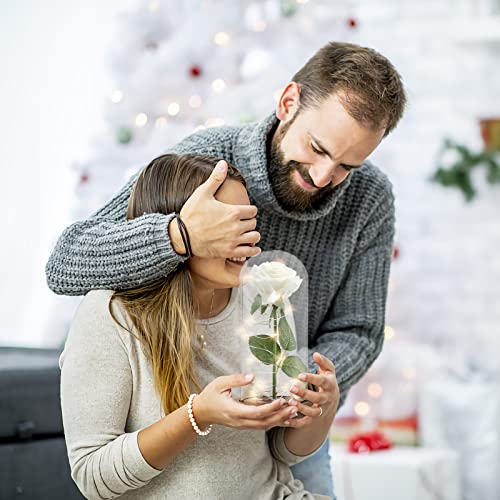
(309, 438)
(106, 254)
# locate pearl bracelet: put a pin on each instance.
(193, 421)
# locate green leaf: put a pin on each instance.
(493, 170)
(256, 304)
(264, 348)
(287, 339)
(293, 365)
(458, 173)
(263, 309)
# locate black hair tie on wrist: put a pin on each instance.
(181, 227)
(184, 235)
(190, 250)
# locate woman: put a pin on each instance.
(132, 359)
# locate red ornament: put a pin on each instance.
(352, 22)
(395, 253)
(195, 71)
(84, 178)
(369, 441)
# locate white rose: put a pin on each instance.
(274, 281)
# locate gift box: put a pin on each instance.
(402, 431)
(400, 473)
(462, 412)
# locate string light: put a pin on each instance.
(259, 26)
(362, 409)
(214, 122)
(409, 373)
(389, 332)
(173, 109)
(218, 85)
(161, 121)
(375, 390)
(222, 39)
(281, 357)
(195, 101)
(117, 96)
(141, 119)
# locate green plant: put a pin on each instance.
(458, 172)
(271, 349)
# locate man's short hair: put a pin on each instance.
(368, 85)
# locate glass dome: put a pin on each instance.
(274, 340)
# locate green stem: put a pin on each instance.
(275, 366)
(275, 369)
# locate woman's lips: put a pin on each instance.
(239, 264)
(303, 183)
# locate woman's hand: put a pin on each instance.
(327, 396)
(215, 405)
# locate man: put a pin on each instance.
(317, 198)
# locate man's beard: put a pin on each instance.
(289, 195)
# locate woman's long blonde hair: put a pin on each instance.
(163, 312)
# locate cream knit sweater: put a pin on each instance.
(108, 396)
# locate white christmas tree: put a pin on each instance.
(182, 66)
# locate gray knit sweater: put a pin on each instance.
(345, 244)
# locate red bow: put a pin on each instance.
(369, 441)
